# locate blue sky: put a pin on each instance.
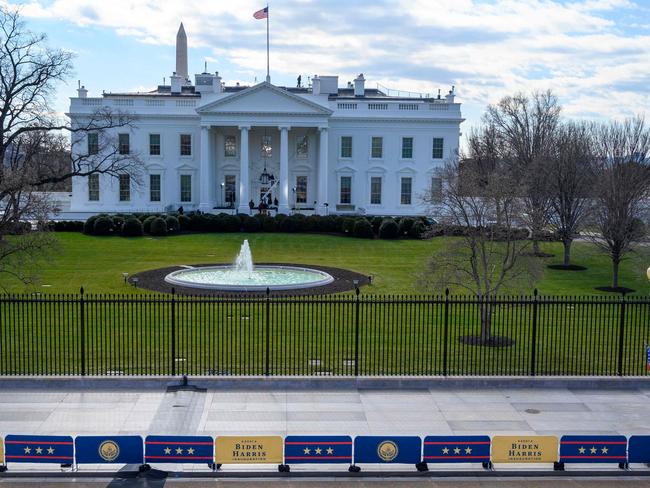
(594, 54)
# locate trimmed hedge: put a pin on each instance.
(158, 227)
(389, 229)
(363, 229)
(132, 227)
(173, 225)
(103, 226)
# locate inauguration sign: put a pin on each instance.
(178, 449)
(456, 449)
(39, 449)
(320, 449)
(593, 449)
(524, 449)
(122, 449)
(387, 449)
(249, 450)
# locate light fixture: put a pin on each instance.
(135, 282)
(265, 177)
(125, 276)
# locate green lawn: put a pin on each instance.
(97, 263)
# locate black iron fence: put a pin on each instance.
(351, 335)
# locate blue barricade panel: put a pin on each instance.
(456, 449)
(319, 449)
(39, 449)
(387, 449)
(638, 449)
(593, 449)
(123, 449)
(178, 449)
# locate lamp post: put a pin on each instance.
(223, 202)
(125, 276)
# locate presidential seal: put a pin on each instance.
(109, 450)
(387, 451)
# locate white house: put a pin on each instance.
(320, 148)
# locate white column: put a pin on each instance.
(244, 197)
(284, 171)
(322, 171)
(205, 177)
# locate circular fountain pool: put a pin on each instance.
(257, 278)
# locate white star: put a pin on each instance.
(306, 450)
(468, 450)
(456, 450)
(445, 450)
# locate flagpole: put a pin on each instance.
(268, 75)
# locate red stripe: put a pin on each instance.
(168, 443)
(594, 442)
(318, 443)
(60, 443)
(349, 458)
(452, 457)
(52, 457)
(456, 443)
(171, 458)
(592, 457)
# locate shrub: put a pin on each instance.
(103, 226)
(172, 224)
(405, 225)
(293, 223)
(376, 223)
(132, 227)
(229, 223)
(417, 229)
(68, 226)
(184, 223)
(146, 224)
(363, 229)
(389, 229)
(158, 227)
(251, 224)
(347, 226)
(89, 225)
(269, 224)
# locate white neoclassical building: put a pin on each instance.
(321, 148)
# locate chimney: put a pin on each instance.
(450, 96)
(359, 86)
(176, 82)
(217, 82)
(181, 53)
(82, 92)
(207, 83)
(315, 85)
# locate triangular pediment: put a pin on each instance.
(264, 98)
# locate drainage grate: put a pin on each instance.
(532, 410)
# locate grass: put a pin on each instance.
(97, 263)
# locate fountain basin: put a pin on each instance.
(260, 278)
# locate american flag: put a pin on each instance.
(262, 14)
(647, 357)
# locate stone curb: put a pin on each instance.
(318, 383)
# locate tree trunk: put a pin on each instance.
(567, 252)
(615, 264)
(536, 250)
(486, 320)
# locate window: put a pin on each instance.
(377, 148)
(405, 198)
(437, 148)
(230, 188)
(125, 188)
(301, 189)
(186, 144)
(230, 148)
(186, 188)
(93, 187)
(346, 146)
(124, 145)
(93, 143)
(154, 188)
(267, 146)
(302, 147)
(436, 189)
(407, 148)
(375, 190)
(154, 144)
(346, 189)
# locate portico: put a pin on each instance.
(257, 129)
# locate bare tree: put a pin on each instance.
(478, 191)
(622, 151)
(33, 140)
(526, 126)
(571, 181)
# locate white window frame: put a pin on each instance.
(306, 176)
(442, 156)
(119, 188)
(346, 158)
(298, 139)
(340, 179)
(95, 146)
(379, 158)
(180, 145)
(96, 177)
(160, 145)
(401, 177)
(160, 187)
(381, 190)
(401, 148)
(180, 187)
(225, 140)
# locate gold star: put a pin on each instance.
(179, 450)
(581, 450)
(39, 450)
(318, 450)
(593, 450)
(468, 450)
(306, 450)
(168, 450)
(605, 450)
(330, 450)
(28, 450)
(445, 450)
(50, 450)
(456, 450)
(190, 450)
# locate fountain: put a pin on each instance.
(244, 276)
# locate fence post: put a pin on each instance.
(445, 335)
(173, 331)
(268, 332)
(356, 331)
(82, 331)
(533, 340)
(621, 336)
